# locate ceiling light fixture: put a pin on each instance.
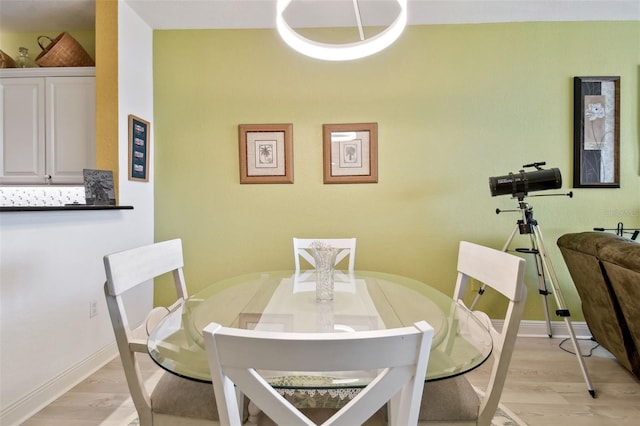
(346, 51)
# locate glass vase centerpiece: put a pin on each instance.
(324, 257)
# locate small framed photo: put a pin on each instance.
(266, 153)
(596, 135)
(350, 153)
(98, 187)
(138, 149)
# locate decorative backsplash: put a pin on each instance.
(21, 196)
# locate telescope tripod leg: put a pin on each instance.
(562, 310)
(542, 284)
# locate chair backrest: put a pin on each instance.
(401, 355)
(126, 270)
(302, 248)
(504, 273)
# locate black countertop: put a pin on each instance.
(68, 207)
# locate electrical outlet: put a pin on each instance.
(93, 308)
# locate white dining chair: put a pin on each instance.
(398, 358)
(455, 401)
(302, 249)
(174, 400)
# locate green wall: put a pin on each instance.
(455, 104)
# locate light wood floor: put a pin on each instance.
(545, 387)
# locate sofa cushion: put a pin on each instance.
(599, 304)
(621, 261)
(597, 260)
(586, 242)
(621, 252)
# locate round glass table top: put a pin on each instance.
(285, 301)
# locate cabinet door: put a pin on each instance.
(22, 136)
(70, 135)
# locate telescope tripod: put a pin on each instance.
(528, 225)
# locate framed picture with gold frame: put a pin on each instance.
(266, 153)
(350, 153)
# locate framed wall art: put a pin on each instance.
(596, 152)
(98, 187)
(350, 153)
(266, 153)
(138, 148)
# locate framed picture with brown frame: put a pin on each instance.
(139, 130)
(350, 153)
(266, 153)
(596, 137)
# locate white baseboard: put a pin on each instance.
(39, 398)
(558, 329)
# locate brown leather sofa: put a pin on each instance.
(605, 269)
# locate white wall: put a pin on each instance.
(51, 263)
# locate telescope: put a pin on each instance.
(521, 183)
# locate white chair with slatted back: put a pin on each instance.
(399, 357)
(174, 400)
(454, 401)
(302, 249)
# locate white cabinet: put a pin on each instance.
(47, 126)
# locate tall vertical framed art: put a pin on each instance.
(139, 130)
(596, 154)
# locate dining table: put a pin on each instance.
(286, 301)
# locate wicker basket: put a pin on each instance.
(63, 51)
(6, 61)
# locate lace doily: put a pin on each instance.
(323, 396)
